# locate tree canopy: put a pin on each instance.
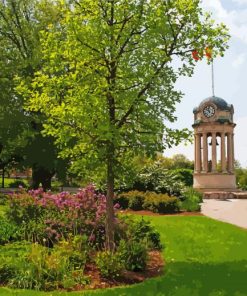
(106, 84)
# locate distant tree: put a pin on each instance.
(180, 161)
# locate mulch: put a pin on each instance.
(154, 268)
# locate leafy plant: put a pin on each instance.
(8, 231)
(134, 254)
(191, 200)
(110, 264)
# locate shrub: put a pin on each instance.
(132, 200)
(3, 199)
(155, 178)
(50, 217)
(32, 266)
(110, 264)
(183, 175)
(17, 184)
(191, 200)
(134, 254)
(140, 230)
(161, 203)
(8, 231)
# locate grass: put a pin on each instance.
(202, 257)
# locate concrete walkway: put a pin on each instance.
(233, 211)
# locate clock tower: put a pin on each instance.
(214, 146)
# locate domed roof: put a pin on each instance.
(219, 102)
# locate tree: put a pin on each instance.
(180, 161)
(107, 79)
(20, 23)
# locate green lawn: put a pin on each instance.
(203, 257)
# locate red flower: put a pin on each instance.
(208, 53)
(195, 55)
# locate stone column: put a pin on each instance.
(229, 153)
(223, 153)
(205, 153)
(198, 153)
(233, 157)
(214, 157)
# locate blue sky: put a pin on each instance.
(230, 77)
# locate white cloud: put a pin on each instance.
(240, 59)
(236, 21)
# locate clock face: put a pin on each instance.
(209, 111)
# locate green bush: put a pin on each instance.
(134, 254)
(32, 266)
(183, 175)
(110, 264)
(17, 184)
(4, 198)
(132, 200)
(157, 203)
(191, 200)
(8, 231)
(161, 203)
(140, 230)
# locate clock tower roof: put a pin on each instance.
(219, 102)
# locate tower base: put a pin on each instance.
(209, 182)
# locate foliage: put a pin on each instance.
(191, 200)
(132, 200)
(8, 231)
(152, 201)
(134, 254)
(17, 184)
(50, 217)
(107, 93)
(139, 231)
(39, 268)
(110, 264)
(156, 178)
(241, 178)
(3, 198)
(161, 203)
(184, 175)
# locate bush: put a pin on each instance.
(191, 200)
(157, 203)
(132, 200)
(17, 184)
(161, 203)
(140, 230)
(8, 232)
(32, 266)
(4, 199)
(157, 179)
(110, 264)
(50, 217)
(183, 175)
(134, 254)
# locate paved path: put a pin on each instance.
(233, 211)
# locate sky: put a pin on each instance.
(230, 78)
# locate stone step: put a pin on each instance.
(225, 195)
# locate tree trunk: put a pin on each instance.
(109, 200)
(41, 176)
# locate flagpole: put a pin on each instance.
(212, 69)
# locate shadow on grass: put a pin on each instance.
(191, 279)
(180, 279)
